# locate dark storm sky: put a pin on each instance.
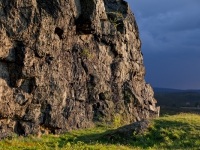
(170, 34)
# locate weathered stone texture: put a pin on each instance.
(128, 132)
(67, 63)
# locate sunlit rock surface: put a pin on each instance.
(65, 64)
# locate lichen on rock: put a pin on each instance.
(66, 64)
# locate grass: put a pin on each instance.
(180, 132)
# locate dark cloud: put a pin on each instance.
(170, 33)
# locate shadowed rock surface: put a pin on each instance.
(128, 131)
(65, 64)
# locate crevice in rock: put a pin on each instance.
(128, 95)
(20, 99)
(96, 106)
(120, 26)
(105, 95)
(113, 67)
(84, 28)
(19, 129)
(112, 48)
(15, 69)
(49, 59)
(98, 109)
(84, 24)
(50, 6)
(48, 129)
(28, 85)
(12, 65)
(59, 32)
(84, 67)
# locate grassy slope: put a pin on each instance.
(180, 131)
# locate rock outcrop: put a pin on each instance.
(65, 64)
(128, 132)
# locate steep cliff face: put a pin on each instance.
(65, 64)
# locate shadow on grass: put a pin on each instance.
(161, 134)
(87, 138)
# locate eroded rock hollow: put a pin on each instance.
(65, 64)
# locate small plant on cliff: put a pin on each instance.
(114, 18)
(115, 22)
(117, 121)
(86, 53)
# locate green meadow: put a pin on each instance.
(178, 132)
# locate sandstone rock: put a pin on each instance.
(65, 64)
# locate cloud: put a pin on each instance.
(169, 23)
(170, 34)
(147, 8)
(177, 70)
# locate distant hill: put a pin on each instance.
(177, 97)
(169, 90)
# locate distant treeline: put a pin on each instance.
(178, 99)
(168, 90)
